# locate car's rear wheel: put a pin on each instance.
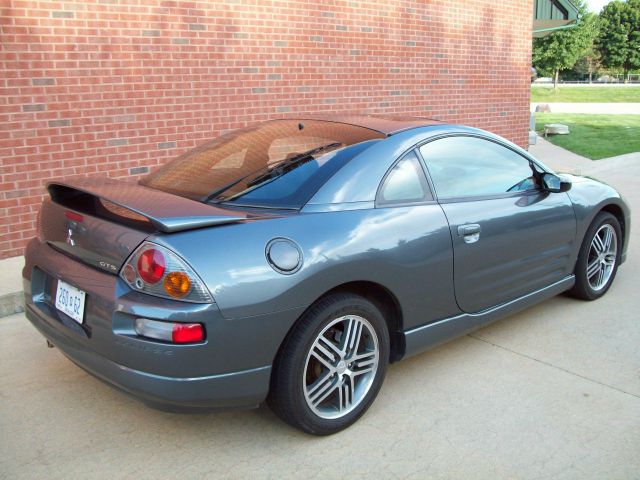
(332, 365)
(599, 257)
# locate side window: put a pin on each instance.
(405, 183)
(467, 166)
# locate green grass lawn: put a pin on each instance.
(586, 94)
(594, 136)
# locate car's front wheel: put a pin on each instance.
(332, 365)
(599, 257)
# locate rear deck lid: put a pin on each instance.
(101, 221)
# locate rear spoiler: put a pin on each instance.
(167, 213)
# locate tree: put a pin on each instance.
(619, 38)
(588, 63)
(562, 49)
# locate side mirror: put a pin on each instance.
(554, 184)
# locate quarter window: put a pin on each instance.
(470, 166)
(405, 183)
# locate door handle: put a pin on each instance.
(470, 232)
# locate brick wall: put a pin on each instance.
(118, 87)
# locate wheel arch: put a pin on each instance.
(387, 303)
(383, 299)
(617, 212)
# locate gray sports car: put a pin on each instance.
(293, 260)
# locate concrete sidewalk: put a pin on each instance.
(11, 300)
(565, 161)
(591, 108)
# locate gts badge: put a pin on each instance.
(108, 266)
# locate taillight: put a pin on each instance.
(151, 265)
(76, 217)
(156, 270)
(171, 332)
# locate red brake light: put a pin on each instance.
(187, 333)
(156, 270)
(76, 217)
(151, 265)
(170, 331)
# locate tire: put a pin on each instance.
(598, 258)
(338, 350)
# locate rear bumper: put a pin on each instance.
(244, 389)
(230, 369)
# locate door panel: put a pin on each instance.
(510, 237)
(523, 243)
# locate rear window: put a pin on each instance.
(277, 164)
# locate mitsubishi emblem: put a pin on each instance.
(70, 239)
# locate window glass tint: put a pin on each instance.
(283, 146)
(405, 183)
(290, 186)
(250, 164)
(464, 166)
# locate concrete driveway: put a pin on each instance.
(553, 392)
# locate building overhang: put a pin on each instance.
(552, 15)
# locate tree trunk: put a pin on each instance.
(555, 79)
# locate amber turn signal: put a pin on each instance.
(177, 284)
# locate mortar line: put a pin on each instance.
(553, 366)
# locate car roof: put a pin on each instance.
(385, 124)
(355, 185)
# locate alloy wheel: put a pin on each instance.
(602, 257)
(340, 367)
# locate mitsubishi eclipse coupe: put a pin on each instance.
(292, 261)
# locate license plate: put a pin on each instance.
(70, 300)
